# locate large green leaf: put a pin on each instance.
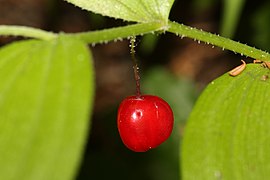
(130, 10)
(46, 92)
(227, 136)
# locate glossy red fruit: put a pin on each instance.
(144, 122)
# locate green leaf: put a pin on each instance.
(231, 15)
(227, 136)
(130, 10)
(46, 92)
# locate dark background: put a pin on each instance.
(175, 69)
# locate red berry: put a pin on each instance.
(144, 122)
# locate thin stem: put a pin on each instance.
(186, 31)
(99, 36)
(135, 66)
(117, 33)
(140, 29)
(26, 32)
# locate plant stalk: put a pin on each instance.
(135, 66)
(216, 40)
(26, 32)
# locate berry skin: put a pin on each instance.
(144, 122)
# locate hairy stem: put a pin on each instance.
(135, 66)
(199, 35)
(26, 32)
(118, 33)
(140, 29)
